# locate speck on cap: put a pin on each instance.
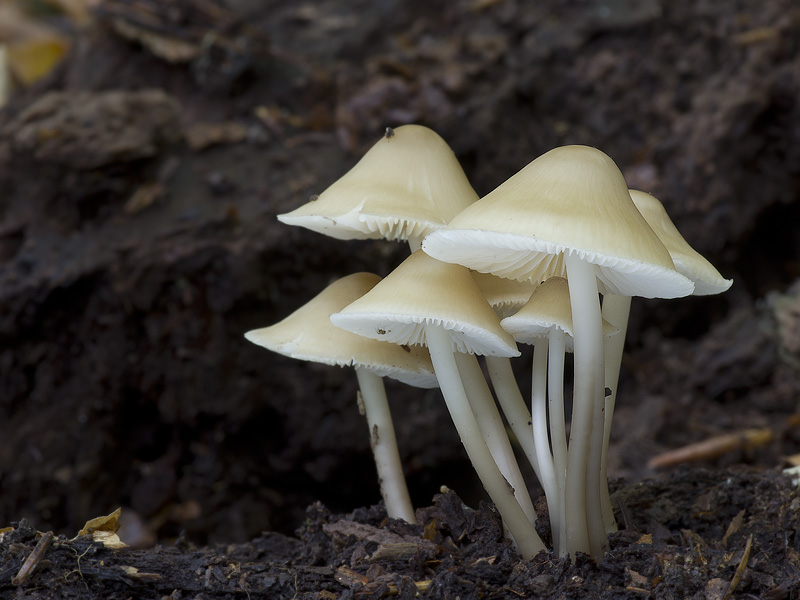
(571, 199)
(408, 184)
(548, 308)
(424, 291)
(307, 334)
(689, 262)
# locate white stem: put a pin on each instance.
(492, 428)
(558, 435)
(616, 310)
(514, 406)
(414, 244)
(541, 436)
(384, 446)
(583, 528)
(444, 364)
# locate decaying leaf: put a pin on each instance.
(104, 530)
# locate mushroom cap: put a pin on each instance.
(423, 291)
(707, 280)
(548, 308)
(572, 199)
(408, 184)
(307, 334)
(505, 296)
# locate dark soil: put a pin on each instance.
(138, 242)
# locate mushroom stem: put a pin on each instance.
(616, 310)
(444, 364)
(583, 529)
(558, 435)
(491, 425)
(514, 406)
(541, 435)
(384, 446)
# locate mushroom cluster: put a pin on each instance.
(552, 258)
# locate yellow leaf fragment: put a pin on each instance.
(106, 523)
(109, 540)
(104, 530)
(30, 60)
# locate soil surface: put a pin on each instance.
(138, 242)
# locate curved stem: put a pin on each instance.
(384, 446)
(491, 426)
(616, 310)
(514, 406)
(541, 436)
(583, 528)
(444, 364)
(558, 434)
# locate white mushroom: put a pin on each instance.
(307, 334)
(572, 205)
(425, 301)
(408, 184)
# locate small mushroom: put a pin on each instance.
(616, 307)
(425, 301)
(546, 322)
(408, 184)
(572, 205)
(307, 334)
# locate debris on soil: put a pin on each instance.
(696, 534)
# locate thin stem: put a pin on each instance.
(616, 310)
(514, 406)
(384, 446)
(582, 527)
(444, 364)
(558, 435)
(491, 425)
(541, 436)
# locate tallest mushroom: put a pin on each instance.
(569, 207)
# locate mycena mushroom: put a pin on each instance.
(572, 205)
(425, 301)
(616, 308)
(408, 184)
(307, 334)
(546, 322)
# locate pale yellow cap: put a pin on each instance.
(572, 199)
(548, 308)
(689, 262)
(425, 291)
(407, 185)
(505, 296)
(307, 334)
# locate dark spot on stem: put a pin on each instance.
(389, 133)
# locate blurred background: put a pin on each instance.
(146, 147)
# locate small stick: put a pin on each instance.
(712, 448)
(33, 560)
(737, 577)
